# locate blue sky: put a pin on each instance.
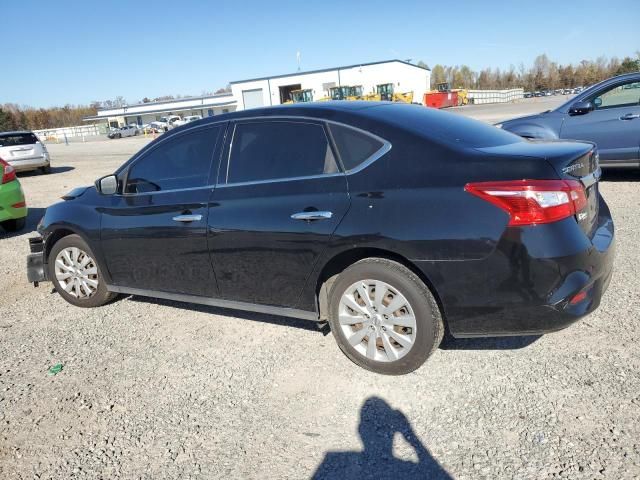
(78, 51)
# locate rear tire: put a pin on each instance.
(15, 224)
(46, 169)
(403, 318)
(84, 285)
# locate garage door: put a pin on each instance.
(252, 98)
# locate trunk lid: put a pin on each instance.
(572, 161)
(19, 146)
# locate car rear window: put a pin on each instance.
(449, 127)
(16, 139)
(355, 147)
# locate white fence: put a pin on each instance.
(495, 96)
(58, 134)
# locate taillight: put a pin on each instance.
(531, 202)
(8, 172)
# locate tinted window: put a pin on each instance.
(354, 146)
(269, 150)
(621, 96)
(180, 162)
(15, 139)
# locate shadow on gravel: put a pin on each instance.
(489, 343)
(54, 170)
(33, 217)
(321, 327)
(379, 423)
(621, 175)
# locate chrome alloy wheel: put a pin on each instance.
(377, 320)
(76, 272)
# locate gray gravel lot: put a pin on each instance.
(155, 389)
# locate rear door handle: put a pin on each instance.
(309, 216)
(629, 116)
(187, 218)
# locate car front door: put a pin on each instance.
(613, 124)
(154, 231)
(280, 197)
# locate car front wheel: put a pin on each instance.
(383, 317)
(76, 274)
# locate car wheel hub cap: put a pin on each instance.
(377, 320)
(76, 272)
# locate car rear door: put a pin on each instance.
(613, 124)
(154, 232)
(279, 198)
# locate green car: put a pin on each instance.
(13, 208)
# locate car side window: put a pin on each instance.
(180, 162)
(625, 95)
(354, 146)
(269, 150)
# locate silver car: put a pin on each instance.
(126, 131)
(23, 151)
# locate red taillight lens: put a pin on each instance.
(8, 172)
(531, 202)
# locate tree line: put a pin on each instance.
(543, 74)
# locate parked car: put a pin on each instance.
(607, 114)
(187, 119)
(23, 151)
(528, 94)
(538, 94)
(13, 207)
(126, 131)
(168, 122)
(407, 220)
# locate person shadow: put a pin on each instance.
(379, 423)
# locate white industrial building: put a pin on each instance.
(405, 77)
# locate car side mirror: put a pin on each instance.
(107, 185)
(580, 108)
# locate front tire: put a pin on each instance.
(383, 317)
(76, 275)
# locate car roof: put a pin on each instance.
(17, 132)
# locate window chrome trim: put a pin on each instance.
(173, 190)
(383, 150)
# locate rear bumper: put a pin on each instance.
(526, 285)
(36, 268)
(32, 163)
(11, 194)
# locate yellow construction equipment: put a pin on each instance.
(299, 96)
(386, 92)
(463, 95)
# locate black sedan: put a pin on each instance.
(607, 114)
(392, 222)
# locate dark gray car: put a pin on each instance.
(607, 113)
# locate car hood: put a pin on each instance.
(76, 193)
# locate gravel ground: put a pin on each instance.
(155, 389)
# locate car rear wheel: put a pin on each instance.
(14, 225)
(46, 169)
(383, 317)
(76, 274)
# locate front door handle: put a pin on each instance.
(309, 216)
(187, 218)
(629, 116)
